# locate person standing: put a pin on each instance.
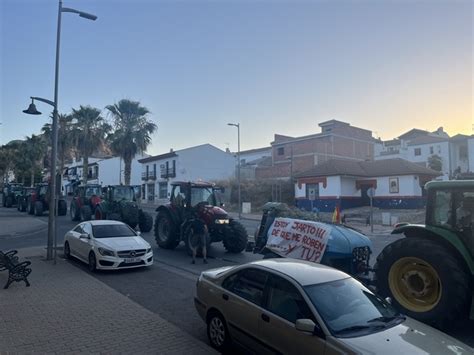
(198, 238)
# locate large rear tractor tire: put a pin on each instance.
(235, 237)
(30, 207)
(145, 221)
(165, 231)
(425, 281)
(130, 215)
(62, 208)
(22, 205)
(38, 208)
(86, 213)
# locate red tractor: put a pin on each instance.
(39, 201)
(173, 219)
(86, 199)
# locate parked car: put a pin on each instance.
(107, 245)
(292, 306)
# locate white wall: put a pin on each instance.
(441, 149)
(111, 171)
(408, 186)
(348, 187)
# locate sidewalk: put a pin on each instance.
(67, 310)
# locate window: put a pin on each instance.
(248, 284)
(143, 190)
(151, 192)
(281, 151)
(463, 152)
(417, 151)
(78, 229)
(286, 301)
(312, 191)
(163, 190)
(431, 150)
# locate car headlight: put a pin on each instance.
(221, 221)
(148, 250)
(106, 252)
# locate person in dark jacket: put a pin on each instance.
(198, 239)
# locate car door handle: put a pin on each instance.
(265, 318)
(225, 297)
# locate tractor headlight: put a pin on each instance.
(222, 221)
(361, 254)
(106, 252)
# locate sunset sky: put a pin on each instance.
(273, 66)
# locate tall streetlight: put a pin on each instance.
(54, 149)
(238, 164)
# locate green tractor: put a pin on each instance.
(119, 203)
(11, 193)
(429, 274)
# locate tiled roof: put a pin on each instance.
(158, 157)
(386, 167)
(427, 140)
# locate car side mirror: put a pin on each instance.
(307, 325)
(84, 236)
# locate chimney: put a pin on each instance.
(171, 150)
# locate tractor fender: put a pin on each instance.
(446, 237)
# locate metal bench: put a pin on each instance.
(16, 271)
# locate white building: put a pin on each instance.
(203, 162)
(417, 146)
(106, 171)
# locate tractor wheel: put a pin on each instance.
(74, 212)
(30, 207)
(38, 208)
(145, 221)
(62, 208)
(86, 213)
(165, 231)
(22, 206)
(425, 281)
(130, 215)
(235, 237)
(8, 202)
(187, 234)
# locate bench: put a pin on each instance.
(16, 271)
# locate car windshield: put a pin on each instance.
(93, 190)
(201, 194)
(348, 308)
(112, 231)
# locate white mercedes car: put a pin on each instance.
(107, 245)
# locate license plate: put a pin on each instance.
(132, 260)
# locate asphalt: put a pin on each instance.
(66, 310)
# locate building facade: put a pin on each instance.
(337, 140)
(395, 183)
(204, 162)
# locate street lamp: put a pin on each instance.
(53, 201)
(238, 165)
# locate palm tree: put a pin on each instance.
(132, 131)
(33, 151)
(90, 130)
(66, 139)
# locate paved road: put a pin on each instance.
(167, 287)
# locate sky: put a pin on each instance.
(274, 67)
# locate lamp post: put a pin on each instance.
(238, 164)
(54, 149)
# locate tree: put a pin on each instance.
(435, 162)
(90, 130)
(33, 151)
(132, 132)
(66, 139)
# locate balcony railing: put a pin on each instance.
(151, 175)
(167, 173)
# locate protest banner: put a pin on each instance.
(299, 239)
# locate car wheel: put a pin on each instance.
(67, 251)
(92, 262)
(217, 332)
